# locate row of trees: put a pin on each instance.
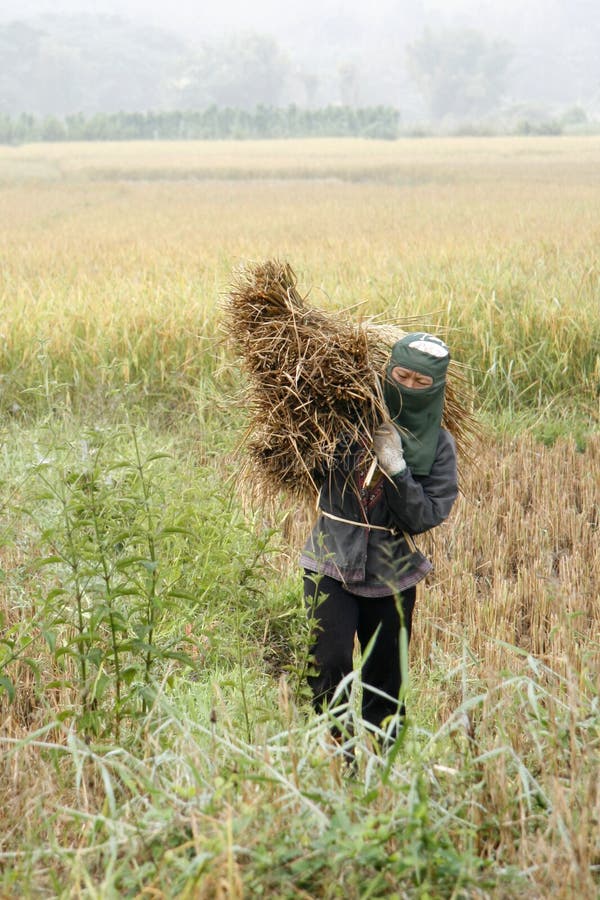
(209, 124)
(222, 123)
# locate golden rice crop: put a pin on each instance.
(111, 279)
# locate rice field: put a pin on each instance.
(156, 736)
(118, 279)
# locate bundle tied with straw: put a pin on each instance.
(312, 378)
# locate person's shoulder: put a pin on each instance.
(445, 461)
(445, 441)
(446, 448)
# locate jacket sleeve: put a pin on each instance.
(418, 503)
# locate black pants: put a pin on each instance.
(338, 617)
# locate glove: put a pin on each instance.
(387, 445)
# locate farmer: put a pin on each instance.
(361, 565)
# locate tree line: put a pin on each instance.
(213, 123)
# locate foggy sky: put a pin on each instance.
(554, 42)
(509, 18)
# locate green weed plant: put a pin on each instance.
(135, 575)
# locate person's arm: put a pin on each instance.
(419, 505)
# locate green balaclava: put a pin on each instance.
(417, 412)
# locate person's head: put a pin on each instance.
(419, 361)
(414, 388)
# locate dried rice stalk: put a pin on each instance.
(312, 377)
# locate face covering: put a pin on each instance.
(417, 412)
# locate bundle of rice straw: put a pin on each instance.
(312, 377)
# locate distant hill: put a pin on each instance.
(316, 54)
(57, 65)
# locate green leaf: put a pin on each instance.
(94, 656)
(134, 645)
(100, 686)
(182, 595)
(101, 613)
(57, 683)
(141, 629)
(175, 529)
(180, 656)
(129, 673)
(50, 638)
(33, 665)
(148, 693)
(7, 685)
(56, 592)
(45, 561)
(128, 561)
(128, 592)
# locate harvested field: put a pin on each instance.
(156, 735)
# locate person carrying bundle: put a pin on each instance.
(361, 567)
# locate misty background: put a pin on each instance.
(453, 61)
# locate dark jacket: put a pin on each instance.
(379, 560)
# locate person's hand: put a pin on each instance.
(387, 445)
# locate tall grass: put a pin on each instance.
(492, 790)
(205, 813)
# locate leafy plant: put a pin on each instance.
(111, 575)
